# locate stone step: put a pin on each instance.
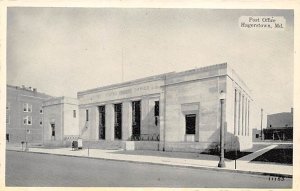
(104, 144)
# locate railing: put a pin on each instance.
(144, 137)
(71, 137)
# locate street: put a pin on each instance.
(38, 170)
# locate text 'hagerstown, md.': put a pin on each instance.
(262, 23)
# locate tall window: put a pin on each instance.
(239, 115)
(243, 114)
(101, 122)
(248, 116)
(235, 112)
(156, 112)
(53, 130)
(87, 115)
(118, 121)
(136, 117)
(41, 110)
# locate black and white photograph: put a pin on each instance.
(148, 96)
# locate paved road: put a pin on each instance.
(32, 169)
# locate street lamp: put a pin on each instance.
(261, 122)
(222, 97)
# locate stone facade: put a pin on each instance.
(172, 112)
(181, 110)
(61, 124)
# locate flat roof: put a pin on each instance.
(232, 74)
(32, 91)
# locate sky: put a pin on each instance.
(61, 51)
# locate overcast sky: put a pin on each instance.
(61, 51)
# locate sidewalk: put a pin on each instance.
(195, 160)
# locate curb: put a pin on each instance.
(171, 165)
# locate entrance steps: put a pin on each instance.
(102, 144)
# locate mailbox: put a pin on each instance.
(79, 143)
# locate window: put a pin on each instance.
(7, 106)
(156, 112)
(27, 120)
(235, 112)
(190, 124)
(156, 108)
(41, 122)
(118, 121)
(53, 130)
(243, 115)
(87, 115)
(74, 113)
(101, 122)
(7, 137)
(239, 115)
(257, 136)
(41, 110)
(248, 117)
(27, 107)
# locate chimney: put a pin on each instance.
(34, 89)
(292, 111)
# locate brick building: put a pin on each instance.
(279, 126)
(24, 114)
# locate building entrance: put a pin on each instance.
(101, 122)
(190, 124)
(118, 121)
(7, 137)
(136, 118)
(52, 131)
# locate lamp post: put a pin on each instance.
(261, 126)
(221, 162)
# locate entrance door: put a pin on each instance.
(101, 122)
(52, 131)
(136, 118)
(118, 121)
(190, 124)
